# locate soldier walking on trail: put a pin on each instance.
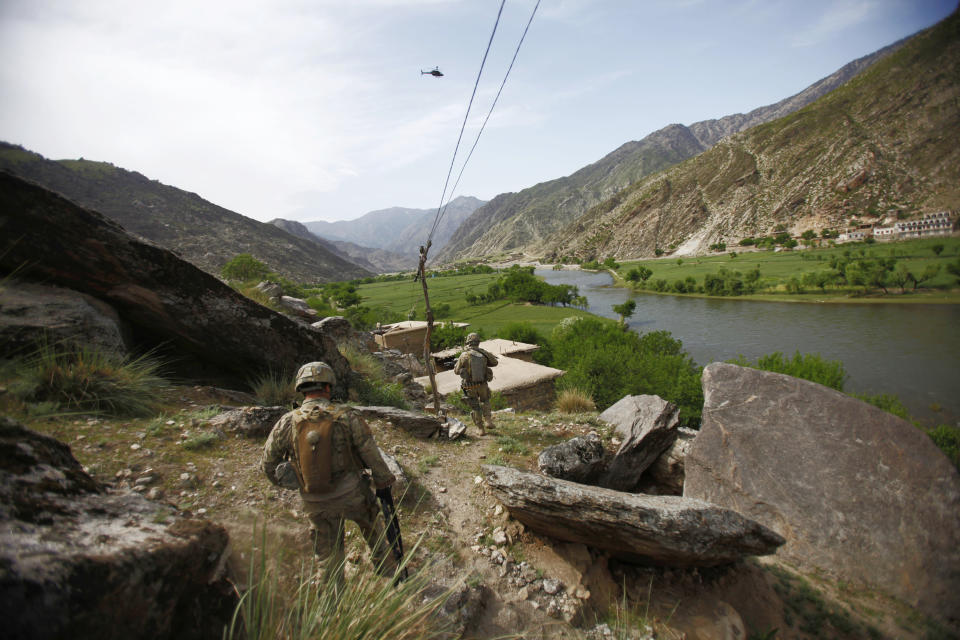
(323, 451)
(473, 367)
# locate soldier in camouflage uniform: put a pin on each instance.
(348, 495)
(473, 367)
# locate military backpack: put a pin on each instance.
(313, 449)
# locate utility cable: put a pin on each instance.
(484, 125)
(453, 160)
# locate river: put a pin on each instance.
(911, 350)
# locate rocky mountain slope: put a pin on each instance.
(882, 145)
(199, 231)
(523, 220)
(399, 229)
(376, 260)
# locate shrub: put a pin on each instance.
(527, 333)
(947, 438)
(88, 380)
(574, 400)
(608, 363)
(809, 366)
(382, 394)
(448, 335)
(245, 268)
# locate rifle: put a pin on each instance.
(393, 530)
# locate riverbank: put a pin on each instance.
(914, 271)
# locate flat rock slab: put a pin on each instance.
(856, 491)
(420, 425)
(579, 459)
(659, 530)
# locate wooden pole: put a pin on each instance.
(427, 357)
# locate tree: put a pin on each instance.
(937, 249)
(245, 268)
(625, 310)
(808, 236)
(929, 273)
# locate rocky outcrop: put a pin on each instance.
(647, 426)
(659, 530)
(31, 314)
(856, 492)
(77, 561)
(420, 425)
(578, 459)
(298, 307)
(215, 333)
(251, 422)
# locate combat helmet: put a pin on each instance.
(473, 339)
(313, 374)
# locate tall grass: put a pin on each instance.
(275, 388)
(364, 607)
(89, 380)
(374, 389)
(575, 400)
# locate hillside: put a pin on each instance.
(376, 260)
(197, 230)
(882, 145)
(523, 220)
(398, 229)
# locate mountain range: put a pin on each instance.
(523, 221)
(398, 229)
(882, 146)
(197, 230)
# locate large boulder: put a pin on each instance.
(659, 530)
(214, 333)
(420, 425)
(31, 314)
(77, 561)
(857, 492)
(579, 459)
(647, 426)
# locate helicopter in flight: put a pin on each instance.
(435, 72)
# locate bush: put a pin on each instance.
(573, 400)
(88, 380)
(809, 366)
(448, 335)
(245, 268)
(608, 363)
(525, 332)
(947, 438)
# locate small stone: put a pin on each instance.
(135, 447)
(442, 489)
(523, 593)
(499, 536)
(552, 585)
(143, 481)
(170, 423)
(155, 493)
(498, 510)
(201, 511)
(477, 480)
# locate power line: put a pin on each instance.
(484, 125)
(453, 160)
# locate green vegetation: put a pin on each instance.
(518, 284)
(245, 268)
(84, 379)
(399, 298)
(810, 366)
(608, 363)
(366, 606)
(924, 270)
(373, 387)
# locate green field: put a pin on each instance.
(402, 296)
(777, 268)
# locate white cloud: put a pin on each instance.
(840, 16)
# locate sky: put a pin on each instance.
(317, 110)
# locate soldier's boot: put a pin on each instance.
(488, 418)
(478, 420)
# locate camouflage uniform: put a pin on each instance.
(476, 392)
(351, 497)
